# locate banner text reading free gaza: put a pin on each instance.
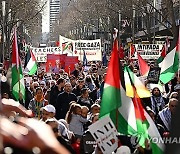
(92, 48)
(148, 51)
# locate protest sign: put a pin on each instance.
(92, 49)
(70, 62)
(55, 62)
(105, 134)
(148, 51)
(41, 53)
(153, 75)
(66, 45)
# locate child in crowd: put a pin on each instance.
(76, 121)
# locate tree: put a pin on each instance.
(94, 15)
(21, 12)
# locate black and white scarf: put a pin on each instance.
(157, 104)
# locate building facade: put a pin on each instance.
(54, 11)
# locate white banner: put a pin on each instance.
(148, 51)
(66, 45)
(41, 53)
(105, 134)
(92, 48)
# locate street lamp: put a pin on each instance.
(3, 29)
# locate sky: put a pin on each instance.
(45, 18)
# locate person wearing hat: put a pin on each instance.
(48, 111)
(156, 102)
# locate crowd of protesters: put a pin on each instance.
(69, 103)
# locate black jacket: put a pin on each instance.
(77, 90)
(62, 104)
(54, 93)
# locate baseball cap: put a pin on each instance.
(123, 150)
(50, 108)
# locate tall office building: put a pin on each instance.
(54, 11)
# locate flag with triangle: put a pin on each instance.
(170, 64)
(132, 51)
(132, 80)
(18, 88)
(127, 113)
(143, 66)
(121, 52)
(164, 51)
(30, 65)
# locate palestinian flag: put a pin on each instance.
(121, 52)
(143, 66)
(30, 63)
(132, 51)
(127, 113)
(132, 80)
(170, 64)
(18, 87)
(164, 51)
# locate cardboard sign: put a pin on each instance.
(148, 51)
(105, 134)
(153, 75)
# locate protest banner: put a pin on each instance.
(148, 51)
(153, 75)
(70, 62)
(66, 45)
(55, 62)
(41, 53)
(105, 134)
(92, 49)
